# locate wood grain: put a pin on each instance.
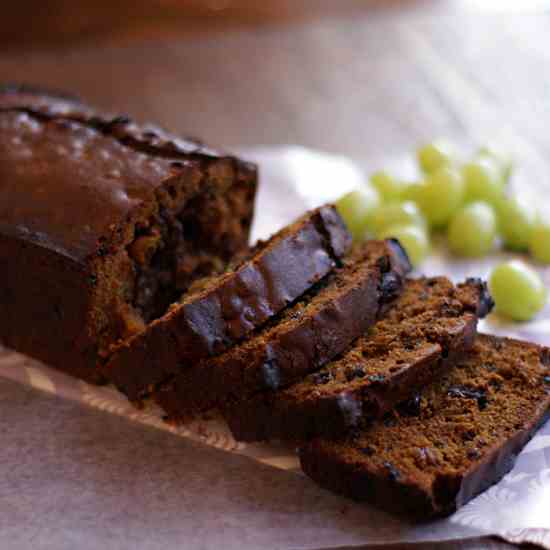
(364, 86)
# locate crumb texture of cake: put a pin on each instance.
(103, 224)
(304, 337)
(461, 435)
(225, 309)
(431, 320)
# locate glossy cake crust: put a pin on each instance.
(78, 190)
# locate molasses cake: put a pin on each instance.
(461, 436)
(433, 319)
(304, 337)
(103, 224)
(220, 311)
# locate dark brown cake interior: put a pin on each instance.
(432, 319)
(202, 286)
(353, 266)
(219, 312)
(177, 242)
(182, 244)
(461, 436)
(424, 321)
(246, 368)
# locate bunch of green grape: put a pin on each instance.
(465, 201)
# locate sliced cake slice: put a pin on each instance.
(462, 435)
(223, 310)
(307, 335)
(431, 320)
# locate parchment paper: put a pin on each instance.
(293, 180)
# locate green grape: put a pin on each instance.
(433, 156)
(518, 290)
(540, 242)
(397, 213)
(516, 221)
(413, 238)
(388, 187)
(482, 181)
(473, 230)
(440, 196)
(357, 209)
(411, 190)
(503, 160)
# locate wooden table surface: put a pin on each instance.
(363, 84)
(363, 79)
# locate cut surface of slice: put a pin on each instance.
(304, 337)
(462, 436)
(216, 315)
(431, 320)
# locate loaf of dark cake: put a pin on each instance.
(225, 308)
(431, 320)
(462, 435)
(103, 224)
(304, 337)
